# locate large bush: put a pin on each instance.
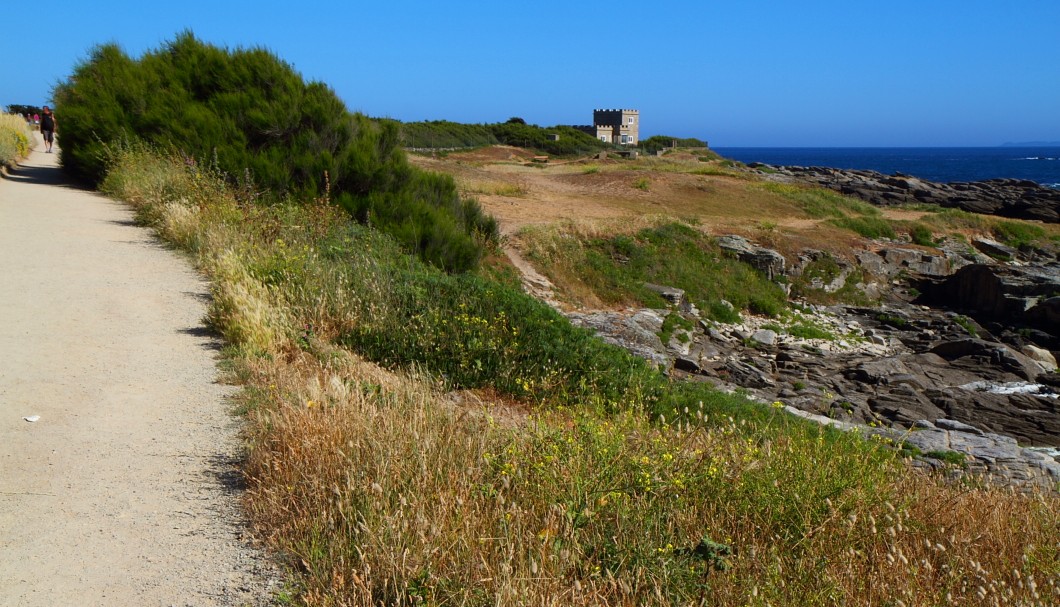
(253, 117)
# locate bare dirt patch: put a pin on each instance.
(590, 190)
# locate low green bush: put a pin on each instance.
(653, 144)
(921, 234)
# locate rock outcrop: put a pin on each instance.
(1017, 296)
(967, 369)
(1019, 199)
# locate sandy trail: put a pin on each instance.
(125, 491)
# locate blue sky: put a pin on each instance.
(737, 73)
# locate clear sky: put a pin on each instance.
(736, 73)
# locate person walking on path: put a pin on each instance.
(47, 128)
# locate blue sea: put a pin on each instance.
(1039, 164)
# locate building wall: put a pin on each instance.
(619, 126)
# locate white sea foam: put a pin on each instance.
(1019, 387)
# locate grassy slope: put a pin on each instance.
(382, 488)
(554, 214)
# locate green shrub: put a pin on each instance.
(252, 116)
(827, 270)
(653, 144)
(921, 235)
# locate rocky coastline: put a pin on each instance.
(1013, 198)
(955, 365)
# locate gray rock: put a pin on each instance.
(673, 296)
(1016, 198)
(1041, 356)
(949, 424)
(766, 337)
(767, 261)
(994, 248)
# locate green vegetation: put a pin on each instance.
(817, 283)
(444, 134)
(419, 437)
(921, 234)
(897, 322)
(571, 141)
(820, 203)
(15, 139)
(515, 132)
(1017, 233)
(616, 487)
(655, 143)
(251, 117)
(673, 322)
(20, 109)
(801, 329)
(841, 211)
(869, 227)
(809, 331)
(614, 269)
(967, 324)
(952, 458)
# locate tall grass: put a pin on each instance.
(16, 139)
(614, 268)
(381, 488)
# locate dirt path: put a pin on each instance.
(124, 491)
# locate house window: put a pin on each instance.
(626, 138)
(603, 138)
(629, 120)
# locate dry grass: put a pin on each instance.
(384, 494)
(379, 490)
(16, 139)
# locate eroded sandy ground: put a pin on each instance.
(124, 491)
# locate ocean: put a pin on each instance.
(1038, 164)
